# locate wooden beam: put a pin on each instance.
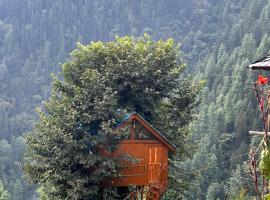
(132, 130)
(259, 133)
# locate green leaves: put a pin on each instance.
(266, 197)
(99, 82)
(264, 164)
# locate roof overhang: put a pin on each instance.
(261, 64)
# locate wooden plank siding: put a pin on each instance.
(146, 145)
(152, 157)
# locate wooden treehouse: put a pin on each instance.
(149, 173)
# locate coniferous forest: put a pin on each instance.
(218, 38)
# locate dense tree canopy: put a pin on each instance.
(101, 83)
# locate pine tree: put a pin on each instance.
(264, 46)
(239, 183)
(17, 192)
(213, 192)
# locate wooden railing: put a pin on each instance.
(144, 192)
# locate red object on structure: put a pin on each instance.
(150, 148)
(262, 80)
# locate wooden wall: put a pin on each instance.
(151, 165)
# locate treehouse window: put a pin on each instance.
(141, 133)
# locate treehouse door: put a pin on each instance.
(155, 163)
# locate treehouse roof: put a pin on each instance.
(149, 127)
(261, 64)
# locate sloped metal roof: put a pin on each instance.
(261, 64)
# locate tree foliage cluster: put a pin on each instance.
(101, 83)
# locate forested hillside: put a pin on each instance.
(218, 37)
(228, 106)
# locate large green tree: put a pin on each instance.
(99, 85)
